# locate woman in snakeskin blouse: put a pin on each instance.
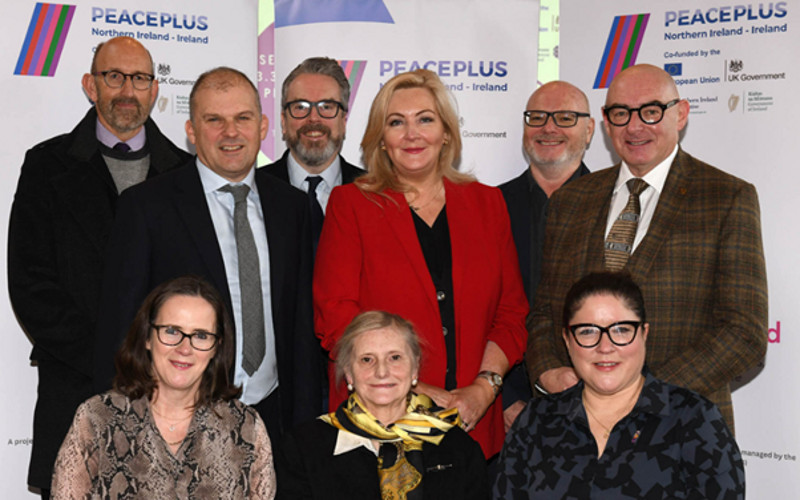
(172, 426)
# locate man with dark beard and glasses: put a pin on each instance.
(60, 222)
(314, 137)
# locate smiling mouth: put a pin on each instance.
(638, 143)
(180, 365)
(229, 149)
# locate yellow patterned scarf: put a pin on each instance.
(398, 477)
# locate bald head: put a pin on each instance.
(120, 44)
(556, 152)
(643, 146)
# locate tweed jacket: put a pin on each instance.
(700, 266)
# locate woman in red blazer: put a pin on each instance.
(417, 238)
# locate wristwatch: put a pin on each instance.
(495, 380)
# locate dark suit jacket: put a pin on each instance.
(164, 230)
(60, 222)
(369, 257)
(527, 209)
(280, 169)
(700, 267)
(306, 468)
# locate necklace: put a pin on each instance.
(627, 409)
(171, 425)
(417, 208)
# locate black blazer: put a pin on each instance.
(164, 230)
(306, 468)
(60, 222)
(280, 169)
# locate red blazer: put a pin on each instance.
(369, 258)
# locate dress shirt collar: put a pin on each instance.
(108, 138)
(212, 181)
(347, 441)
(331, 176)
(654, 178)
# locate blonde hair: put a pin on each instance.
(380, 171)
(344, 351)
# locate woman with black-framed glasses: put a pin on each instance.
(620, 432)
(172, 427)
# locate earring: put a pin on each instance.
(445, 142)
(383, 147)
(414, 382)
(350, 387)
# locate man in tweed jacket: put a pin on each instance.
(697, 253)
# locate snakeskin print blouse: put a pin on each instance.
(114, 450)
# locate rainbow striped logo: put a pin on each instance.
(45, 39)
(353, 70)
(622, 47)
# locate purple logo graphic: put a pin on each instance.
(294, 12)
(44, 40)
(354, 70)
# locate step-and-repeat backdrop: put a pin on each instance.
(732, 61)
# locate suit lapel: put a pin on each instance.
(190, 203)
(398, 218)
(277, 242)
(598, 201)
(671, 203)
(91, 196)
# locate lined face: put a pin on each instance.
(180, 367)
(314, 140)
(125, 109)
(607, 368)
(413, 134)
(381, 371)
(550, 146)
(640, 145)
(227, 129)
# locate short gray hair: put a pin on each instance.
(319, 66)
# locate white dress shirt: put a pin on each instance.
(648, 199)
(221, 205)
(331, 177)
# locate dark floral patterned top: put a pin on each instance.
(114, 450)
(673, 444)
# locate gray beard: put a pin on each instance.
(314, 157)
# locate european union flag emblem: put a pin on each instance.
(674, 69)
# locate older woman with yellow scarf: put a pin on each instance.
(384, 441)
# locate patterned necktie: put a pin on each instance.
(121, 147)
(317, 217)
(619, 243)
(249, 282)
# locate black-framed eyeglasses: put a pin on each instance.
(172, 335)
(620, 333)
(651, 113)
(301, 108)
(563, 119)
(116, 79)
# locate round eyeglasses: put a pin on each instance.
(301, 108)
(650, 114)
(620, 333)
(172, 335)
(563, 119)
(116, 79)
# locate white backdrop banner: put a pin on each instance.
(46, 50)
(733, 62)
(486, 56)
